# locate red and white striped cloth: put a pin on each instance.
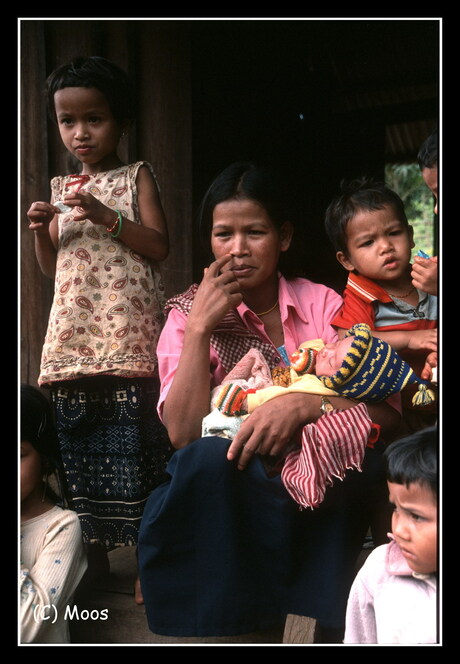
(330, 446)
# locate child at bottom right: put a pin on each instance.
(393, 599)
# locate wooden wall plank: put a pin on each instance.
(35, 289)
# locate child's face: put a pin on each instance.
(430, 177)
(379, 245)
(87, 127)
(31, 470)
(330, 358)
(414, 525)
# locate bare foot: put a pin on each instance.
(138, 597)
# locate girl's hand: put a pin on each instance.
(90, 208)
(218, 293)
(40, 214)
(425, 274)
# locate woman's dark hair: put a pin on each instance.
(37, 427)
(362, 194)
(414, 459)
(428, 154)
(99, 73)
(244, 180)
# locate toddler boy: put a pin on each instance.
(369, 230)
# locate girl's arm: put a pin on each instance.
(188, 399)
(43, 222)
(46, 589)
(150, 237)
(152, 216)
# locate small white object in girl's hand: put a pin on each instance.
(62, 206)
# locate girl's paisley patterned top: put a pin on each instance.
(106, 315)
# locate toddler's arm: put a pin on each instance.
(409, 339)
(404, 339)
(429, 370)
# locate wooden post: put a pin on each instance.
(299, 629)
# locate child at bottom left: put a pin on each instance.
(52, 556)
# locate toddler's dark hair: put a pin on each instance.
(99, 73)
(428, 154)
(414, 459)
(362, 194)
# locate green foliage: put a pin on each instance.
(407, 181)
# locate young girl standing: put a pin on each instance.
(101, 238)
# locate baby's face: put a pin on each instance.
(414, 525)
(330, 358)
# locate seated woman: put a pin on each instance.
(224, 552)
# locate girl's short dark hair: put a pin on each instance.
(99, 73)
(245, 180)
(362, 194)
(37, 427)
(414, 459)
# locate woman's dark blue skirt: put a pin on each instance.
(223, 551)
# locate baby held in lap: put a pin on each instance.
(359, 366)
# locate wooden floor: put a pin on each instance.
(108, 614)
